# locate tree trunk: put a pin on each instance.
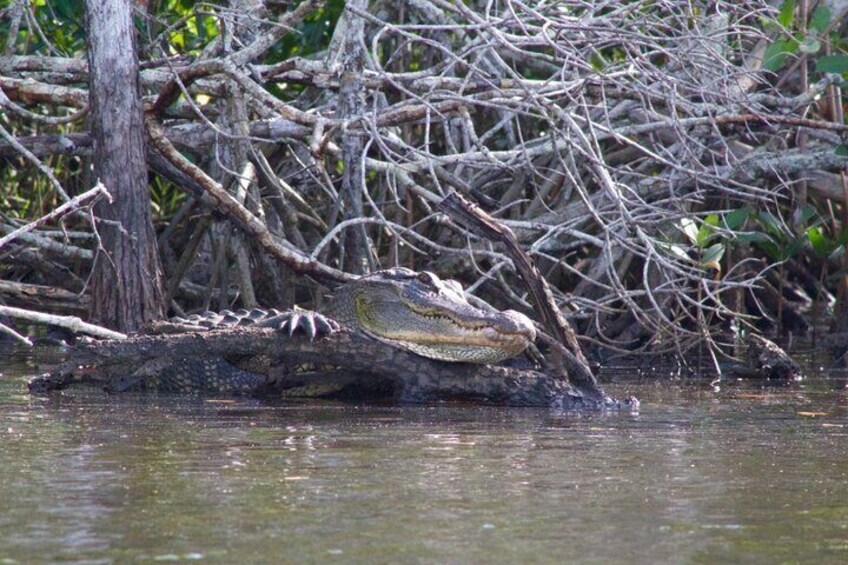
(350, 61)
(126, 282)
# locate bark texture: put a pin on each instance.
(349, 40)
(126, 280)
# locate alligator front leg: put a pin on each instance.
(184, 372)
(313, 324)
(248, 373)
(297, 319)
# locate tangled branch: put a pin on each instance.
(622, 143)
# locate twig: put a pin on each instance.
(235, 210)
(69, 206)
(69, 322)
(10, 332)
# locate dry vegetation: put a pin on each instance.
(668, 165)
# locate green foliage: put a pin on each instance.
(787, 13)
(832, 64)
(775, 239)
(820, 19)
(702, 237)
(777, 53)
(735, 219)
(808, 42)
(165, 198)
(819, 242)
(312, 36)
(699, 236)
(193, 26)
(712, 235)
(827, 246)
(61, 22)
(25, 193)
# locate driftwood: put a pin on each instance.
(411, 378)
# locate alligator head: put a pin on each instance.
(431, 317)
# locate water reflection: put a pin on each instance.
(743, 475)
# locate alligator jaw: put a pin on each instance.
(482, 355)
(421, 313)
(487, 338)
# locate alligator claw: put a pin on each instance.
(294, 321)
(256, 315)
(326, 325)
(311, 323)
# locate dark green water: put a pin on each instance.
(744, 475)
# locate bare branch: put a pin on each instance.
(68, 322)
(69, 206)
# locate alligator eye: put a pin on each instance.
(428, 278)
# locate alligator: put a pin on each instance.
(413, 311)
(416, 311)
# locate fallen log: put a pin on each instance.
(146, 361)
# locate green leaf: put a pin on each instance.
(787, 12)
(736, 219)
(771, 249)
(808, 212)
(794, 247)
(842, 150)
(675, 250)
(679, 252)
(810, 44)
(832, 64)
(777, 53)
(821, 18)
(754, 237)
(772, 224)
(713, 253)
(690, 229)
(705, 233)
(818, 241)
